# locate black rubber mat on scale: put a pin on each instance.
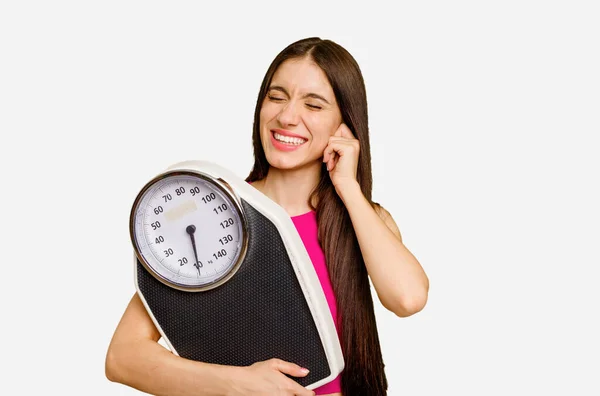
(260, 313)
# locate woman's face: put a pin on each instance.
(298, 115)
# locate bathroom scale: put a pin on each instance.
(225, 276)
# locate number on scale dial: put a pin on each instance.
(188, 231)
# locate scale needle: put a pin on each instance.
(191, 229)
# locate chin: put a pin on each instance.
(278, 162)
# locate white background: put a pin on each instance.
(484, 121)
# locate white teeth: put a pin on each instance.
(287, 139)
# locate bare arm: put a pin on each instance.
(135, 358)
(398, 278)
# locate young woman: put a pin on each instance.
(312, 157)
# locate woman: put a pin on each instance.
(312, 157)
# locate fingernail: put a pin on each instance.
(304, 370)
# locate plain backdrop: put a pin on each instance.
(484, 122)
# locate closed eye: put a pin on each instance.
(276, 99)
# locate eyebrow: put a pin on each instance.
(308, 95)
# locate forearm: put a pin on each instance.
(148, 367)
(397, 276)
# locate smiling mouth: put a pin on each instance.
(292, 141)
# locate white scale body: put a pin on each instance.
(224, 275)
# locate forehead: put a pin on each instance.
(302, 75)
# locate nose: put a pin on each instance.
(288, 114)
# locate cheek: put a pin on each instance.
(264, 118)
(267, 111)
(263, 115)
(321, 129)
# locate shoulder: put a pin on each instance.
(387, 219)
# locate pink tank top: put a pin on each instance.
(306, 224)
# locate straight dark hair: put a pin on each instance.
(364, 368)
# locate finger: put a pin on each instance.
(334, 145)
(332, 161)
(344, 131)
(337, 148)
(298, 389)
(347, 133)
(327, 153)
(303, 392)
(343, 140)
(344, 146)
(290, 368)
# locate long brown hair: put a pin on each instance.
(364, 368)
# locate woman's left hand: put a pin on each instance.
(341, 156)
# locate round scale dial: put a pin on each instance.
(188, 230)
